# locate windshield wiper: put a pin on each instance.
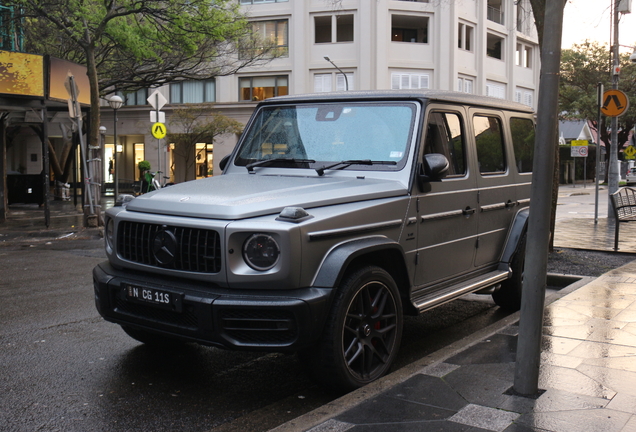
(265, 162)
(347, 163)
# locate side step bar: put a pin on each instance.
(436, 298)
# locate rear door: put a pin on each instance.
(495, 177)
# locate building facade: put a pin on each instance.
(485, 47)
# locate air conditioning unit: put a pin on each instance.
(624, 6)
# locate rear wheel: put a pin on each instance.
(508, 296)
(362, 334)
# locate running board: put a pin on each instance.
(437, 298)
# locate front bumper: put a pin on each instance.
(268, 320)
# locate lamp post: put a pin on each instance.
(115, 103)
(340, 70)
(102, 155)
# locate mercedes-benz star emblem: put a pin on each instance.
(164, 246)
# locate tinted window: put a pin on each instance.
(523, 142)
(444, 136)
(489, 141)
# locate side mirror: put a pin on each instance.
(434, 167)
(224, 162)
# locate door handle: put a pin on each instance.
(468, 211)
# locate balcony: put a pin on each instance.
(495, 15)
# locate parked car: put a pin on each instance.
(631, 176)
(336, 215)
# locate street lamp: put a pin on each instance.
(340, 70)
(115, 103)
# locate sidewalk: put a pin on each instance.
(588, 364)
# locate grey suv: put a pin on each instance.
(335, 216)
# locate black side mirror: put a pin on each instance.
(224, 162)
(434, 167)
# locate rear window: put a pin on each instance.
(523, 143)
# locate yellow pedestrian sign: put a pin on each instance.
(629, 152)
(159, 130)
(615, 103)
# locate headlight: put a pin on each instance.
(110, 232)
(261, 252)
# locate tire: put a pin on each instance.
(152, 339)
(363, 332)
(508, 296)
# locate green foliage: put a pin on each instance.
(143, 165)
(582, 67)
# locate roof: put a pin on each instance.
(574, 130)
(437, 95)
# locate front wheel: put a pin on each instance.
(363, 331)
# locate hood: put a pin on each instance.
(239, 196)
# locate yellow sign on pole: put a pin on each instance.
(159, 130)
(629, 152)
(615, 103)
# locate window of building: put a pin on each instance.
(496, 90)
(525, 97)
(409, 28)
(523, 143)
(275, 32)
(444, 136)
(465, 85)
(324, 82)
(490, 144)
(524, 55)
(260, 88)
(465, 37)
(250, 2)
(325, 25)
(494, 46)
(409, 81)
(192, 92)
(495, 11)
(135, 98)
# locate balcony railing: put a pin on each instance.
(495, 15)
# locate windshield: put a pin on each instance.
(316, 135)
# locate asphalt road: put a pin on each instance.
(65, 369)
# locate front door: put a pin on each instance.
(447, 210)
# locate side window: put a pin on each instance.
(444, 135)
(523, 142)
(490, 144)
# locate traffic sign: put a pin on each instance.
(578, 151)
(159, 130)
(157, 100)
(615, 103)
(629, 152)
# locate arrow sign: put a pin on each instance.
(615, 103)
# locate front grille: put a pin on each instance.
(187, 318)
(196, 250)
(269, 327)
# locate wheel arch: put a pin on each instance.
(379, 251)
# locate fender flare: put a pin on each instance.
(519, 226)
(337, 260)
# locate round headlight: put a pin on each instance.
(110, 232)
(261, 252)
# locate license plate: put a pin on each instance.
(159, 298)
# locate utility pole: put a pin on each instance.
(533, 298)
(614, 173)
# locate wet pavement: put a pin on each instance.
(588, 363)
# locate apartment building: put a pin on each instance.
(486, 47)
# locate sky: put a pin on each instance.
(591, 19)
